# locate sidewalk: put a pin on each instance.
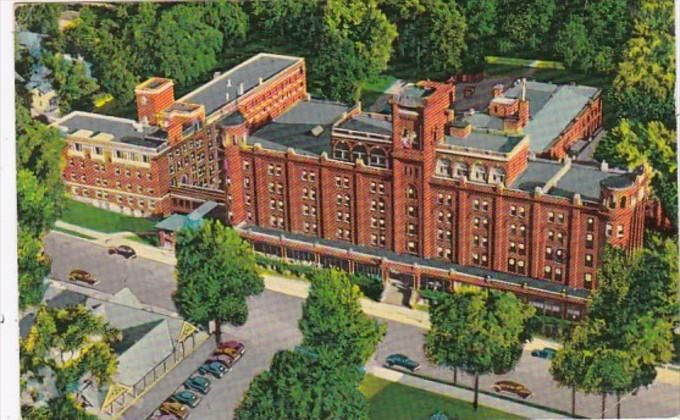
(462, 394)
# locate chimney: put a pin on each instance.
(240, 89)
(497, 90)
(228, 82)
(524, 89)
(226, 96)
(260, 80)
(523, 107)
(461, 129)
(216, 74)
(604, 166)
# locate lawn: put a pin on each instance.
(394, 401)
(373, 88)
(84, 215)
(147, 239)
(73, 233)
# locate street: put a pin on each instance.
(272, 326)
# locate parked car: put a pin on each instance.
(198, 383)
(81, 275)
(233, 353)
(402, 361)
(513, 388)
(228, 361)
(124, 250)
(187, 398)
(216, 369)
(544, 353)
(240, 347)
(178, 410)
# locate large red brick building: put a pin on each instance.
(419, 197)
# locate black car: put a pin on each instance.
(123, 250)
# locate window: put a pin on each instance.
(589, 260)
(560, 218)
(79, 147)
(475, 221)
(411, 229)
(412, 246)
(98, 150)
(411, 192)
(609, 229)
(412, 211)
(497, 175)
(359, 153)
(521, 212)
(588, 279)
(520, 266)
(475, 204)
(462, 169)
(521, 248)
(338, 182)
(619, 231)
(547, 272)
(512, 247)
(551, 217)
(485, 205)
(548, 253)
(270, 169)
(558, 274)
(479, 173)
(590, 224)
(373, 187)
(338, 198)
(341, 151)
(513, 211)
(378, 158)
(444, 168)
(475, 258)
(511, 264)
(589, 241)
(513, 228)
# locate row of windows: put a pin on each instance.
(377, 240)
(376, 187)
(378, 222)
(342, 216)
(308, 176)
(480, 173)
(120, 154)
(480, 241)
(345, 234)
(274, 170)
(376, 157)
(342, 182)
(120, 198)
(516, 266)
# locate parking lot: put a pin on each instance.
(272, 326)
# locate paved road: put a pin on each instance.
(272, 326)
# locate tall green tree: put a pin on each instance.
(643, 87)
(592, 35)
(216, 272)
(432, 35)
(632, 143)
(568, 369)
(298, 386)
(332, 320)
(40, 200)
(39, 17)
(70, 80)
(479, 332)
(229, 18)
(187, 47)
(481, 18)
(524, 26)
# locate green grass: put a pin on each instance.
(84, 215)
(373, 88)
(73, 232)
(524, 62)
(394, 401)
(147, 239)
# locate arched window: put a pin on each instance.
(184, 179)
(497, 175)
(462, 169)
(622, 203)
(359, 152)
(378, 157)
(412, 192)
(479, 173)
(444, 168)
(341, 151)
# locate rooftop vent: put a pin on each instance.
(228, 82)
(216, 74)
(240, 89)
(316, 131)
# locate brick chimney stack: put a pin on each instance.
(497, 90)
(523, 110)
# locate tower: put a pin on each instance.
(153, 96)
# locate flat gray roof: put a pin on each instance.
(552, 108)
(294, 128)
(213, 94)
(367, 124)
(484, 120)
(588, 182)
(536, 174)
(495, 142)
(123, 130)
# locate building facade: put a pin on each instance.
(420, 197)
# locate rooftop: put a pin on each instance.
(123, 130)
(213, 95)
(413, 95)
(295, 128)
(365, 123)
(585, 180)
(552, 108)
(493, 141)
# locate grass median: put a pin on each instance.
(90, 217)
(391, 400)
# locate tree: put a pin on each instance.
(433, 36)
(216, 272)
(592, 35)
(568, 369)
(645, 79)
(70, 80)
(40, 18)
(187, 47)
(609, 371)
(524, 26)
(478, 331)
(355, 33)
(299, 386)
(33, 267)
(632, 143)
(481, 17)
(56, 408)
(229, 18)
(332, 320)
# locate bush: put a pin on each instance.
(371, 287)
